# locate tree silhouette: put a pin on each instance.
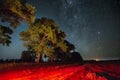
(44, 35)
(73, 55)
(76, 57)
(5, 33)
(58, 54)
(70, 55)
(28, 55)
(70, 46)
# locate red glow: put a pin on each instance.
(62, 72)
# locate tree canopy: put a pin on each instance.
(13, 12)
(44, 35)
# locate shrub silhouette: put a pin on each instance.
(76, 57)
(28, 56)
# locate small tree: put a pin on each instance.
(44, 35)
(28, 55)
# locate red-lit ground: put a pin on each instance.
(87, 71)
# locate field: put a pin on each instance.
(57, 71)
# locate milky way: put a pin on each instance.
(93, 26)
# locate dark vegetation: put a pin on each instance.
(43, 36)
(69, 56)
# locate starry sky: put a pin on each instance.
(93, 26)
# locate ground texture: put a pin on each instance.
(86, 71)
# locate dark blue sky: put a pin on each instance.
(93, 26)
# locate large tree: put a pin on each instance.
(44, 36)
(13, 12)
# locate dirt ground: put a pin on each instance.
(86, 71)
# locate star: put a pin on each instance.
(75, 16)
(98, 32)
(69, 1)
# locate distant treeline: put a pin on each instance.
(10, 60)
(75, 57)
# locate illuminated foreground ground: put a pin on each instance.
(87, 71)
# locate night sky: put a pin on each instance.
(93, 26)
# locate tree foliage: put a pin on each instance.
(70, 55)
(13, 12)
(64, 55)
(28, 55)
(70, 46)
(44, 35)
(76, 57)
(5, 33)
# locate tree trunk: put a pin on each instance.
(38, 58)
